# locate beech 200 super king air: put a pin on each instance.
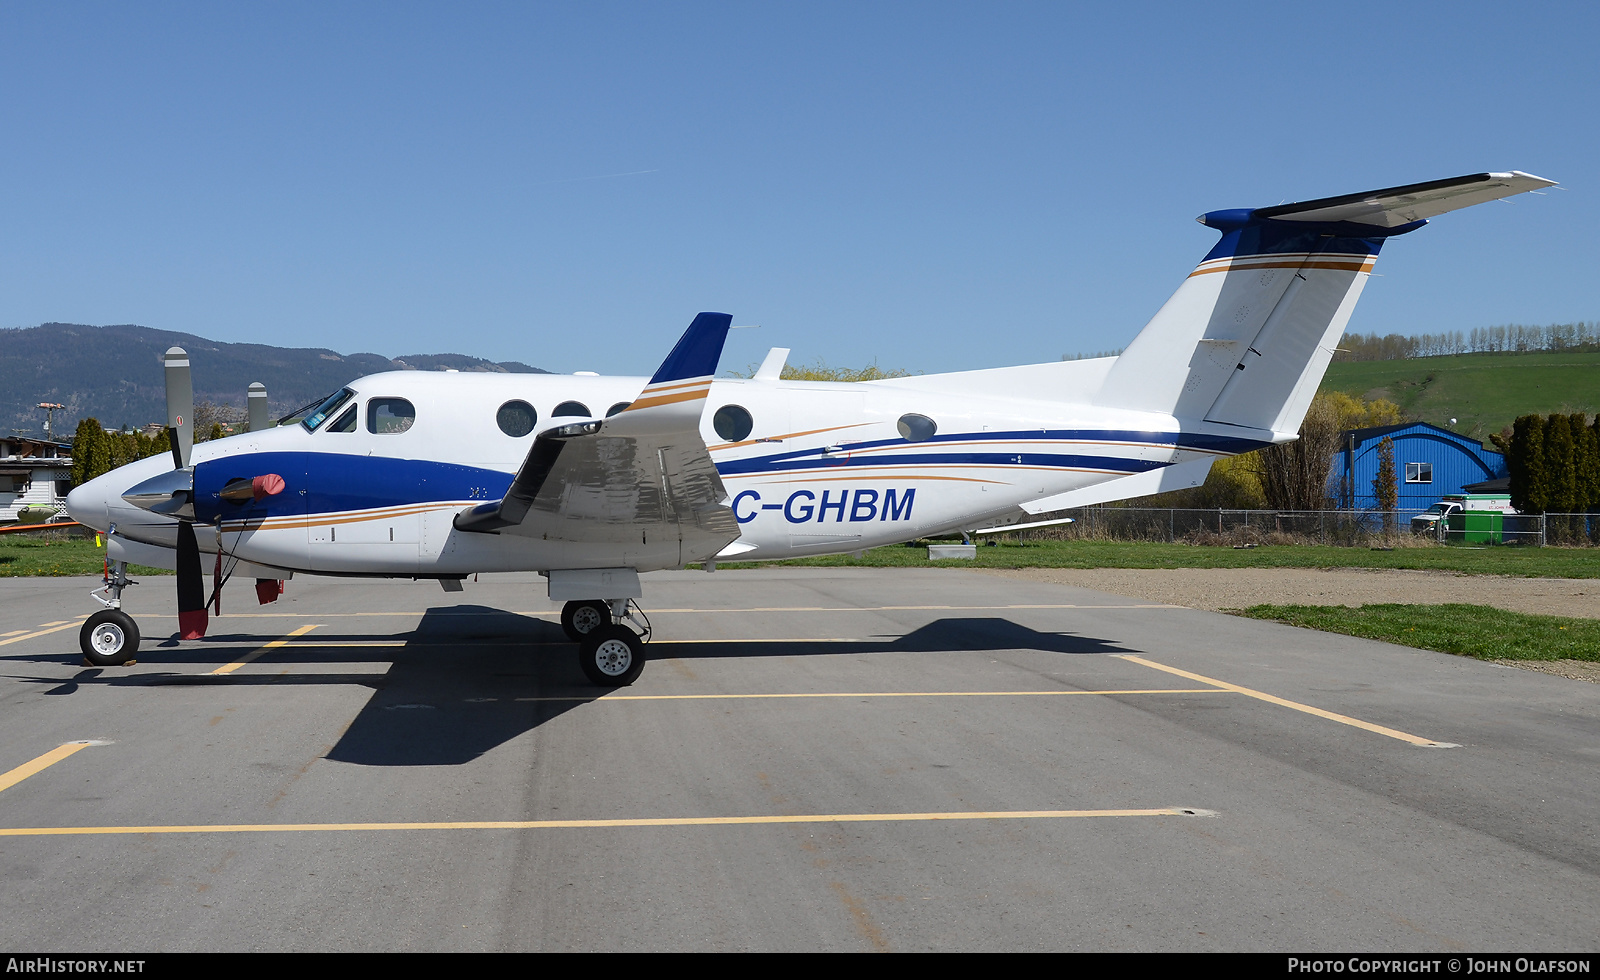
(591, 480)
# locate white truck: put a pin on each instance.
(1429, 521)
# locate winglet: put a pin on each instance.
(697, 352)
(685, 376)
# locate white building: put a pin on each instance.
(34, 473)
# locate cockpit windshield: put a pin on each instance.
(324, 409)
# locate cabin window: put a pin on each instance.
(387, 416)
(516, 418)
(916, 428)
(618, 407)
(320, 413)
(1419, 472)
(345, 422)
(567, 409)
(732, 422)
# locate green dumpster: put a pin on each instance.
(1476, 526)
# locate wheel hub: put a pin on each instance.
(107, 638)
(586, 619)
(613, 657)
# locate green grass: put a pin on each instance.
(1524, 562)
(1471, 631)
(30, 554)
(1482, 392)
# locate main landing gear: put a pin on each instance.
(611, 654)
(110, 638)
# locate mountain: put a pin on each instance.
(114, 374)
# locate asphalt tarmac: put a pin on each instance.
(813, 759)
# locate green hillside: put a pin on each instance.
(1482, 392)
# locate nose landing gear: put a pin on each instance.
(110, 638)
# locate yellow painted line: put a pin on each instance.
(13, 633)
(230, 668)
(883, 694)
(761, 609)
(317, 645)
(553, 614)
(45, 761)
(1296, 705)
(602, 824)
(69, 624)
(371, 644)
(771, 639)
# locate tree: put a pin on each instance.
(211, 421)
(1561, 475)
(1529, 489)
(90, 456)
(1586, 464)
(1593, 440)
(1294, 476)
(1232, 484)
(819, 371)
(1384, 489)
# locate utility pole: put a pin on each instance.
(49, 413)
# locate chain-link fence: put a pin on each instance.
(1357, 529)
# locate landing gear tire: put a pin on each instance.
(611, 656)
(580, 618)
(109, 638)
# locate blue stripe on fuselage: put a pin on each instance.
(804, 460)
(317, 483)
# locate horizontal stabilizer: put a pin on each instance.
(1392, 207)
(1178, 476)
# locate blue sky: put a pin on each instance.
(934, 187)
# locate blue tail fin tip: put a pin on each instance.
(697, 351)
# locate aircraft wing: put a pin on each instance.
(641, 476)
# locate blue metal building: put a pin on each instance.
(1429, 462)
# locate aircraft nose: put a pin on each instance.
(87, 505)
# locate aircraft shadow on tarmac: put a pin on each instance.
(469, 678)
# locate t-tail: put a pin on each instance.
(1261, 315)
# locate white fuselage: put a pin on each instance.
(824, 468)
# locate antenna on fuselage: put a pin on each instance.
(771, 368)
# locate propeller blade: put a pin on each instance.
(180, 405)
(192, 616)
(260, 418)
